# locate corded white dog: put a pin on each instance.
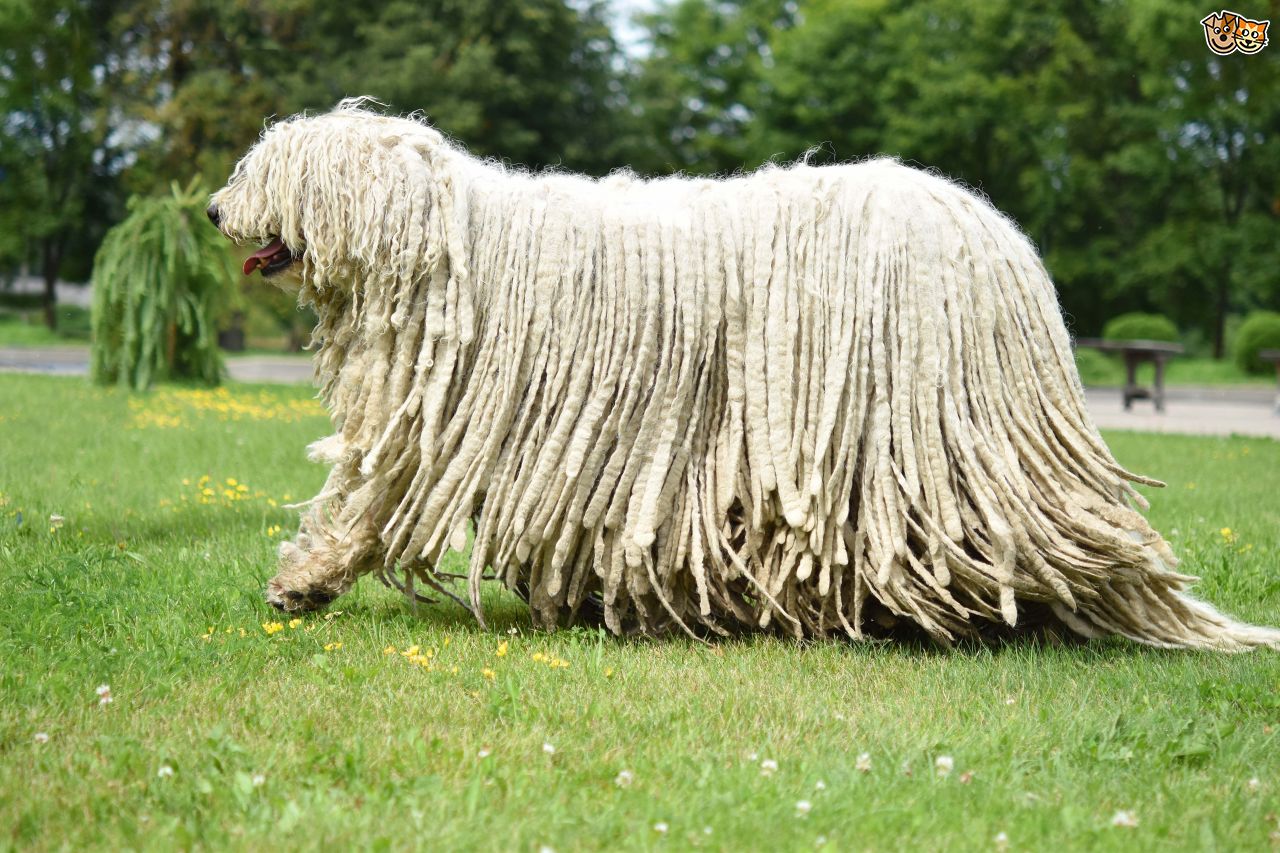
(827, 399)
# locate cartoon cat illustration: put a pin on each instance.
(1251, 36)
(1220, 32)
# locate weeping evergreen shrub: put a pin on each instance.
(160, 279)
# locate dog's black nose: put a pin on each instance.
(214, 216)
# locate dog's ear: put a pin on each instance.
(366, 204)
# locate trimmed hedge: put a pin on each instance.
(1137, 326)
(1259, 331)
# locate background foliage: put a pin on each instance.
(1143, 166)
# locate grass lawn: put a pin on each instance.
(1098, 368)
(324, 735)
(27, 329)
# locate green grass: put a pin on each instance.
(27, 329)
(357, 748)
(1097, 368)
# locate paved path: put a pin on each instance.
(1208, 411)
(1198, 411)
(74, 361)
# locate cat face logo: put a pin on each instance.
(1251, 36)
(1228, 32)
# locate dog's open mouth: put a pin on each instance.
(271, 258)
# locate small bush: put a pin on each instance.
(1259, 331)
(1097, 368)
(1137, 326)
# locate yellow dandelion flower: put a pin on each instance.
(231, 481)
(502, 649)
(389, 650)
(488, 673)
(538, 657)
(453, 670)
(294, 623)
(445, 643)
(410, 652)
(608, 673)
(332, 647)
(272, 627)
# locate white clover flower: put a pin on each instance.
(1002, 841)
(819, 785)
(944, 765)
(483, 753)
(863, 764)
(42, 737)
(1124, 818)
(165, 771)
(1253, 784)
(548, 749)
(258, 780)
(768, 767)
(803, 807)
(624, 779)
(660, 827)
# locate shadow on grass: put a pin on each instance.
(505, 611)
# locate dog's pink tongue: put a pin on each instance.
(261, 257)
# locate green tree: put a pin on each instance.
(1142, 165)
(696, 94)
(59, 160)
(533, 81)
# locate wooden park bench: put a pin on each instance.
(1273, 356)
(1134, 354)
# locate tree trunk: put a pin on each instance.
(171, 349)
(1220, 313)
(51, 260)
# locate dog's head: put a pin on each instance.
(332, 197)
(1220, 32)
